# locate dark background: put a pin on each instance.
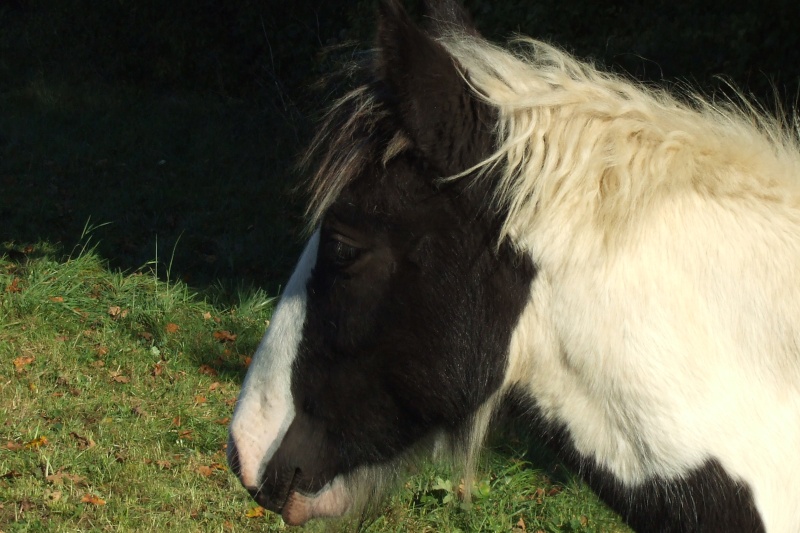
(173, 127)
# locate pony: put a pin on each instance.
(497, 224)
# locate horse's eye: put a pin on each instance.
(341, 253)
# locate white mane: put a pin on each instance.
(601, 150)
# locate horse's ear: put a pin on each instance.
(427, 90)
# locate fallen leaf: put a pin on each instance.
(255, 512)
(158, 369)
(224, 336)
(11, 474)
(14, 286)
(176, 421)
(57, 299)
(59, 477)
(199, 400)
(101, 351)
(521, 525)
(119, 378)
(207, 370)
(214, 386)
(205, 471)
(223, 421)
(114, 311)
(207, 315)
(38, 442)
(52, 496)
(92, 499)
(247, 361)
(21, 362)
(83, 442)
(171, 327)
(138, 411)
(164, 464)
(146, 335)
(13, 446)
(185, 434)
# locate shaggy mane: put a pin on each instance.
(575, 142)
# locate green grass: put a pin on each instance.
(103, 396)
(119, 387)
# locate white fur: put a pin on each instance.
(265, 408)
(664, 327)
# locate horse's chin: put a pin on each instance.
(333, 501)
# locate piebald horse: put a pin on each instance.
(492, 224)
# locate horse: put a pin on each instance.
(493, 224)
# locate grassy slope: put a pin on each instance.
(118, 388)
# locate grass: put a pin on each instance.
(115, 392)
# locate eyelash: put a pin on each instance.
(341, 253)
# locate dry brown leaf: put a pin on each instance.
(223, 421)
(14, 286)
(114, 311)
(21, 362)
(255, 512)
(207, 316)
(101, 351)
(205, 471)
(164, 464)
(199, 400)
(119, 378)
(57, 299)
(92, 499)
(214, 386)
(172, 327)
(38, 442)
(59, 477)
(52, 496)
(224, 336)
(207, 370)
(83, 442)
(158, 369)
(185, 434)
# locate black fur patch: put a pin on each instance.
(703, 500)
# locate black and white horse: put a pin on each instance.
(493, 224)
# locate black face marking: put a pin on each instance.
(405, 337)
(412, 302)
(705, 499)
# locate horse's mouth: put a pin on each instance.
(276, 502)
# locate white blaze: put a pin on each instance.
(265, 408)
